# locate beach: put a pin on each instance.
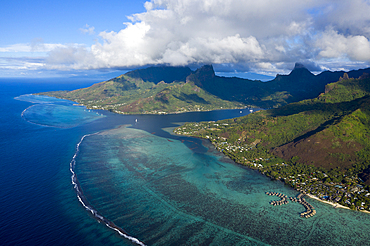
(336, 205)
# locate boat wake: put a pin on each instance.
(88, 206)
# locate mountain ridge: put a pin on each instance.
(135, 86)
(158, 74)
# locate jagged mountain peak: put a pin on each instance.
(203, 77)
(298, 66)
(300, 70)
(206, 69)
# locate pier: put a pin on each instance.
(284, 198)
(310, 210)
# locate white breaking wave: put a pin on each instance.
(24, 117)
(84, 202)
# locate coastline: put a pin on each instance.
(335, 205)
(155, 112)
(166, 113)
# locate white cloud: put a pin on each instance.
(88, 29)
(347, 17)
(181, 32)
(264, 34)
(34, 46)
(20, 64)
(16, 48)
(335, 45)
(38, 55)
(67, 57)
(231, 49)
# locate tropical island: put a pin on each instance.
(165, 90)
(314, 135)
(320, 146)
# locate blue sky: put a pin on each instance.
(240, 37)
(60, 21)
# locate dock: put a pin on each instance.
(284, 198)
(310, 210)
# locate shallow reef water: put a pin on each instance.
(48, 111)
(160, 191)
(149, 186)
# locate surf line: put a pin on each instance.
(88, 206)
(25, 118)
(34, 123)
(22, 114)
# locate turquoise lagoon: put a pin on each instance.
(155, 188)
(164, 193)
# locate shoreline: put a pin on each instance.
(335, 205)
(172, 113)
(94, 107)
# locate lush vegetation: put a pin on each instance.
(125, 94)
(320, 146)
(157, 90)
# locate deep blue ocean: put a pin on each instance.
(72, 176)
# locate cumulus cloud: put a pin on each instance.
(332, 45)
(259, 35)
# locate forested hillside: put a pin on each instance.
(327, 135)
(156, 90)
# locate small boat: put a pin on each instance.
(135, 120)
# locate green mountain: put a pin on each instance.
(178, 89)
(300, 84)
(155, 90)
(320, 146)
(330, 131)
